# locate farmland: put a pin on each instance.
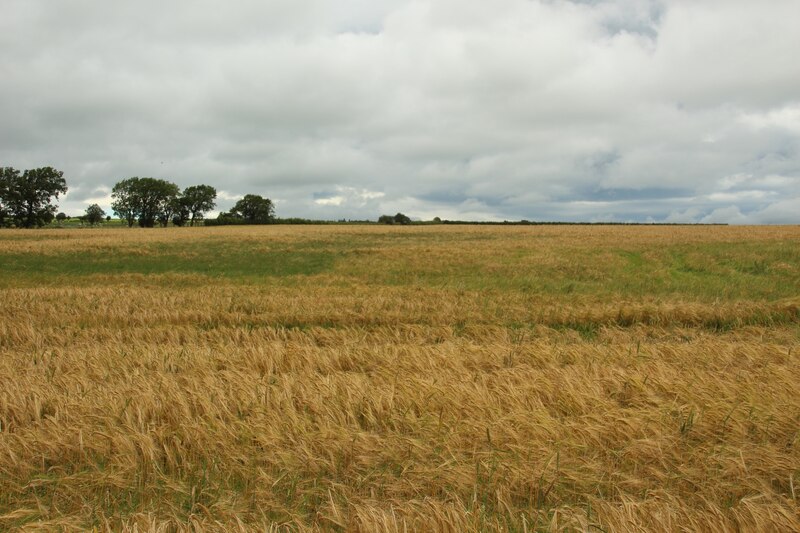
(420, 378)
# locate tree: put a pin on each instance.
(28, 198)
(181, 213)
(144, 199)
(198, 200)
(400, 218)
(6, 175)
(167, 202)
(159, 197)
(95, 214)
(126, 200)
(254, 209)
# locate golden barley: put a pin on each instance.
(435, 379)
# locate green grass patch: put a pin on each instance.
(717, 271)
(727, 271)
(208, 258)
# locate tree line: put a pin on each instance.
(151, 201)
(27, 200)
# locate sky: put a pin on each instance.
(590, 110)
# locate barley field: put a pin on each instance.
(420, 378)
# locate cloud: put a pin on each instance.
(543, 109)
(786, 118)
(779, 212)
(725, 215)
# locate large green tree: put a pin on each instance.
(166, 202)
(146, 200)
(95, 215)
(125, 200)
(254, 209)
(180, 212)
(197, 200)
(399, 218)
(27, 198)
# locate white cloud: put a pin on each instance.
(781, 212)
(729, 182)
(544, 109)
(333, 200)
(685, 216)
(225, 195)
(786, 118)
(725, 215)
(738, 196)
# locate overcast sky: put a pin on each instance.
(592, 110)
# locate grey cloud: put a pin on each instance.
(582, 110)
(617, 195)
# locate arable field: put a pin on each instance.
(422, 378)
